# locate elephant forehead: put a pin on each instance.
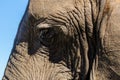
(42, 8)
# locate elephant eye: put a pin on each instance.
(47, 36)
(47, 33)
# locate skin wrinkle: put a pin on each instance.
(71, 17)
(74, 24)
(90, 18)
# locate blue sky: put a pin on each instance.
(11, 12)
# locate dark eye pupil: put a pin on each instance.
(47, 36)
(43, 33)
(47, 33)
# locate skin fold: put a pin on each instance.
(67, 40)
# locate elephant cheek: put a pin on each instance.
(43, 69)
(34, 67)
(17, 61)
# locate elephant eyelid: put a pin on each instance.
(43, 26)
(46, 26)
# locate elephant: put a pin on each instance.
(67, 40)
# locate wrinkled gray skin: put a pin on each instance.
(67, 40)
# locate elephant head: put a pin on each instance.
(67, 40)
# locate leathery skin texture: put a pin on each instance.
(67, 40)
